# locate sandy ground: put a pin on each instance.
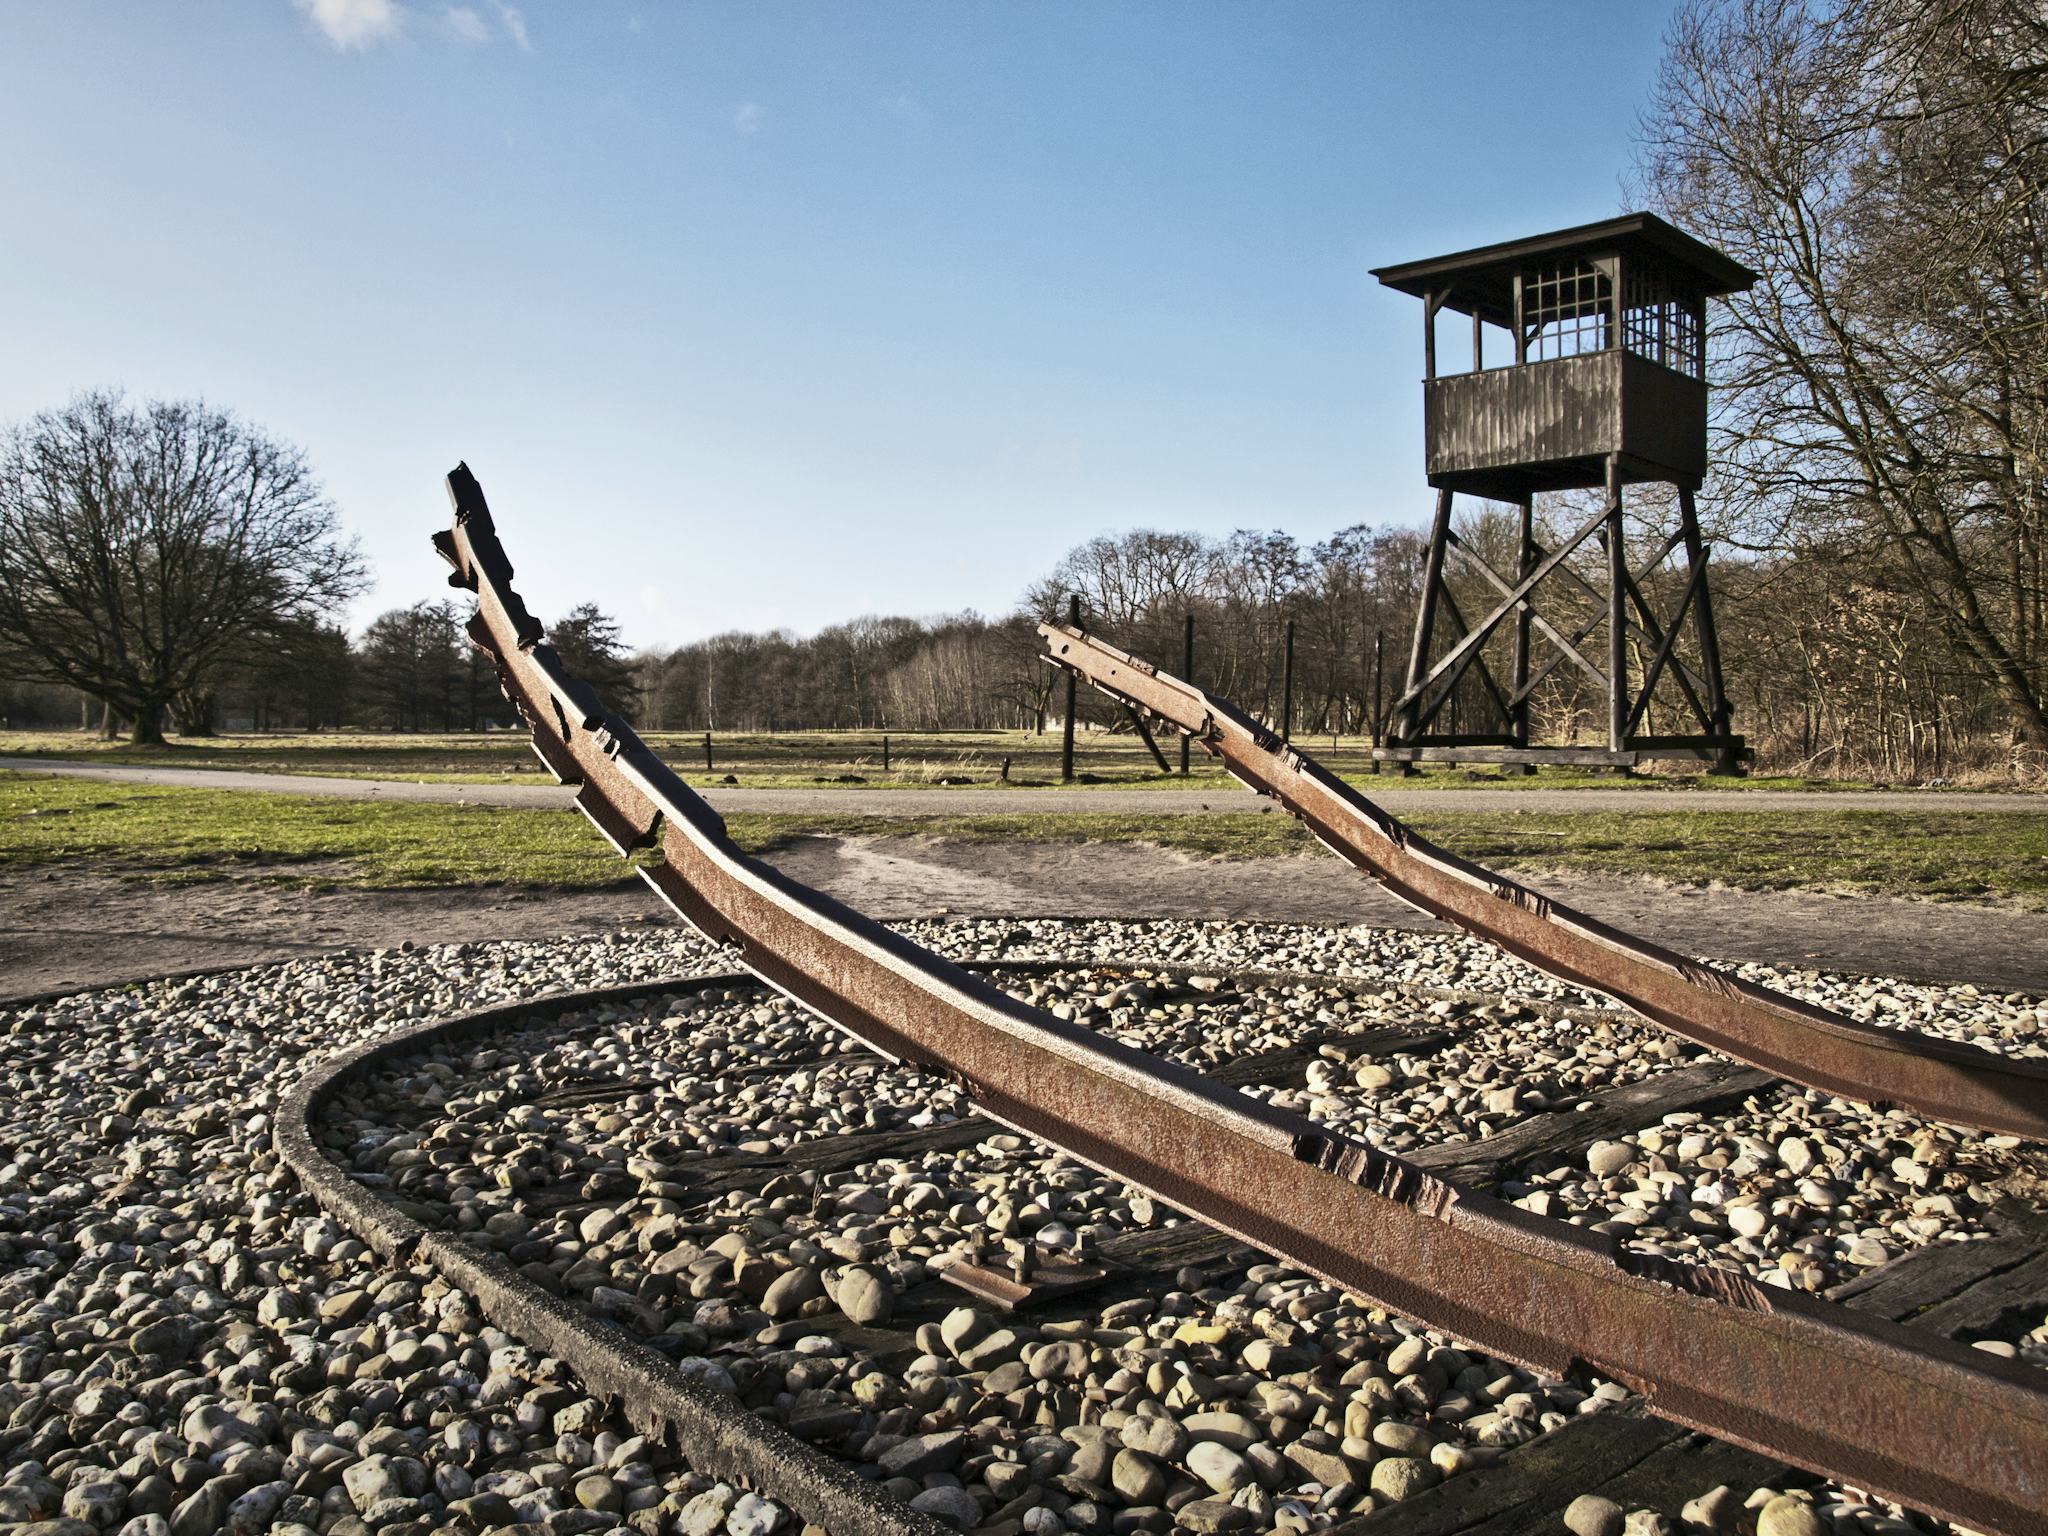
(1003, 802)
(62, 930)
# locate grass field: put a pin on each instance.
(804, 760)
(195, 834)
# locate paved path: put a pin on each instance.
(1008, 802)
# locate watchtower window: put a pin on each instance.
(1567, 308)
(1660, 323)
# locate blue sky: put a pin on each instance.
(758, 314)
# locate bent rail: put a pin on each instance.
(1795, 1040)
(1775, 1371)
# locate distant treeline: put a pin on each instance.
(1830, 668)
(413, 669)
(971, 672)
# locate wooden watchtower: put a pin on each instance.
(1603, 386)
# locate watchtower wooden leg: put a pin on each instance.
(1403, 725)
(1725, 760)
(1518, 723)
(1617, 616)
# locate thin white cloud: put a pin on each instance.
(355, 24)
(909, 108)
(747, 117)
(515, 25)
(466, 23)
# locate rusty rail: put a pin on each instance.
(1795, 1040)
(1935, 1425)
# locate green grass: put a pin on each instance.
(200, 834)
(196, 834)
(812, 760)
(1983, 856)
(805, 759)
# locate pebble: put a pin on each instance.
(791, 1291)
(1606, 1158)
(1787, 1516)
(865, 1297)
(753, 1515)
(1591, 1515)
(1137, 1478)
(1718, 1509)
(956, 1506)
(1402, 1477)
(1219, 1466)
(921, 1455)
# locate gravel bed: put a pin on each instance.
(1240, 1397)
(1382, 956)
(1797, 1189)
(1506, 1062)
(2008, 1024)
(189, 1345)
(1201, 1021)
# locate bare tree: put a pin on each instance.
(1882, 165)
(139, 547)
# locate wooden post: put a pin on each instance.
(1518, 725)
(885, 754)
(1379, 698)
(707, 752)
(1006, 770)
(1187, 675)
(1617, 616)
(1067, 725)
(1613, 265)
(1145, 735)
(1725, 760)
(1425, 620)
(1287, 686)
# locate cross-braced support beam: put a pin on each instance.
(1446, 648)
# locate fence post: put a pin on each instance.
(1379, 646)
(707, 752)
(1187, 675)
(1067, 725)
(885, 754)
(1287, 687)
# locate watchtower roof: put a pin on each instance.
(1481, 281)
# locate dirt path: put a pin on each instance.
(61, 930)
(1005, 802)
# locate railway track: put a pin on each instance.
(1781, 1034)
(1953, 1289)
(1816, 1384)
